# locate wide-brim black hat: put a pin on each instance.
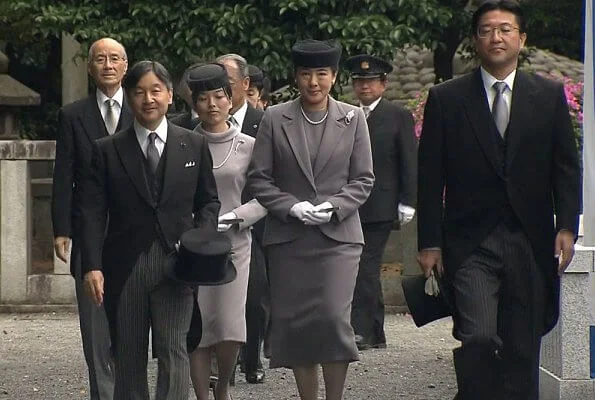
(366, 66)
(316, 54)
(426, 308)
(203, 259)
(207, 77)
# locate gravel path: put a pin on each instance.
(41, 358)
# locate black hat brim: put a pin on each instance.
(170, 272)
(425, 308)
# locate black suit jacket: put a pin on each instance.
(117, 186)
(184, 120)
(79, 125)
(457, 157)
(251, 121)
(394, 152)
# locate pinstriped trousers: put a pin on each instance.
(149, 300)
(500, 296)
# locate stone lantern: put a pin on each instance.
(13, 95)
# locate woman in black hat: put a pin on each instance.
(223, 307)
(312, 169)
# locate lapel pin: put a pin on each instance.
(183, 145)
(349, 116)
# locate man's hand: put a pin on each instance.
(430, 258)
(564, 249)
(62, 247)
(94, 286)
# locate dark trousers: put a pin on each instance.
(256, 314)
(150, 300)
(367, 310)
(500, 300)
(95, 337)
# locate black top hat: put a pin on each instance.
(315, 54)
(365, 66)
(207, 77)
(204, 258)
(255, 73)
(426, 308)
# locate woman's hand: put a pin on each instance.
(225, 217)
(320, 214)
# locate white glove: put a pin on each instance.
(227, 216)
(299, 210)
(431, 287)
(319, 217)
(406, 213)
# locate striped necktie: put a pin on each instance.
(111, 121)
(152, 153)
(499, 108)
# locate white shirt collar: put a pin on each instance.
(373, 105)
(489, 80)
(102, 97)
(142, 135)
(193, 114)
(241, 114)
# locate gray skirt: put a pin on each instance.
(312, 281)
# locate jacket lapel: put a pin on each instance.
(335, 125)
(131, 157)
(92, 120)
(125, 116)
(297, 140)
(521, 111)
(480, 116)
(175, 151)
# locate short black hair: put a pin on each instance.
(142, 68)
(511, 6)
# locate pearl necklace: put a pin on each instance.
(227, 156)
(314, 122)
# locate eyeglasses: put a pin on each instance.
(504, 30)
(114, 59)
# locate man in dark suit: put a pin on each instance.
(188, 119)
(243, 115)
(80, 123)
(155, 181)
(394, 152)
(497, 161)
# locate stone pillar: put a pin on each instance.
(15, 223)
(74, 70)
(565, 361)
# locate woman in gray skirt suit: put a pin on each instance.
(312, 168)
(223, 308)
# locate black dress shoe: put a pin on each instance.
(380, 345)
(361, 343)
(255, 376)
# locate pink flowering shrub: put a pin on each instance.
(572, 90)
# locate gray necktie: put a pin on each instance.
(233, 121)
(110, 116)
(152, 153)
(499, 108)
(366, 111)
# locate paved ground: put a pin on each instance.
(41, 358)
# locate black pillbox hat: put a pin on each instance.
(207, 77)
(365, 66)
(316, 54)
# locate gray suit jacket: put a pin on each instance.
(281, 173)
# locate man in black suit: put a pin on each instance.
(155, 181)
(188, 119)
(80, 123)
(394, 151)
(497, 160)
(243, 115)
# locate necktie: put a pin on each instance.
(366, 111)
(499, 108)
(152, 153)
(233, 121)
(110, 116)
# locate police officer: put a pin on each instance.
(394, 151)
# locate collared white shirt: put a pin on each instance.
(373, 105)
(142, 135)
(488, 82)
(241, 114)
(193, 114)
(118, 100)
